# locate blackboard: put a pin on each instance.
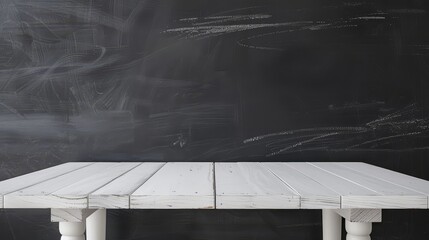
(227, 80)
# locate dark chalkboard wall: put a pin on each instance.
(230, 80)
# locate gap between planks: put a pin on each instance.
(87, 197)
(135, 189)
(45, 180)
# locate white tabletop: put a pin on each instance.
(208, 185)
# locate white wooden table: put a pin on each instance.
(79, 193)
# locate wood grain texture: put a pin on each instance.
(389, 195)
(313, 194)
(406, 181)
(191, 185)
(360, 215)
(17, 183)
(359, 191)
(251, 186)
(384, 202)
(116, 194)
(70, 215)
(177, 185)
(330, 181)
(70, 190)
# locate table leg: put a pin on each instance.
(331, 224)
(96, 225)
(358, 230)
(72, 230)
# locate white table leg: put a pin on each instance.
(72, 230)
(96, 225)
(358, 230)
(331, 224)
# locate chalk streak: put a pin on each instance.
(384, 139)
(302, 143)
(289, 132)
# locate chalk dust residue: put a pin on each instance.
(261, 27)
(383, 133)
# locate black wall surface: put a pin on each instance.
(220, 80)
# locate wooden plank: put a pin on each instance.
(333, 182)
(238, 185)
(392, 196)
(20, 182)
(69, 190)
(360, 215)
(177, 185)
(313, 194)
(406, 181)
(251, 186)
(117, 193)
(70, 215)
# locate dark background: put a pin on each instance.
(220, 80)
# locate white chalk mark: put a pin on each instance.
(369, 18)
(385, 138)
(201, 32)
(290, 132)
(302, 143)
(233, 18)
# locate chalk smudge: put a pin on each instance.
(215, 26)
(400, 125)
